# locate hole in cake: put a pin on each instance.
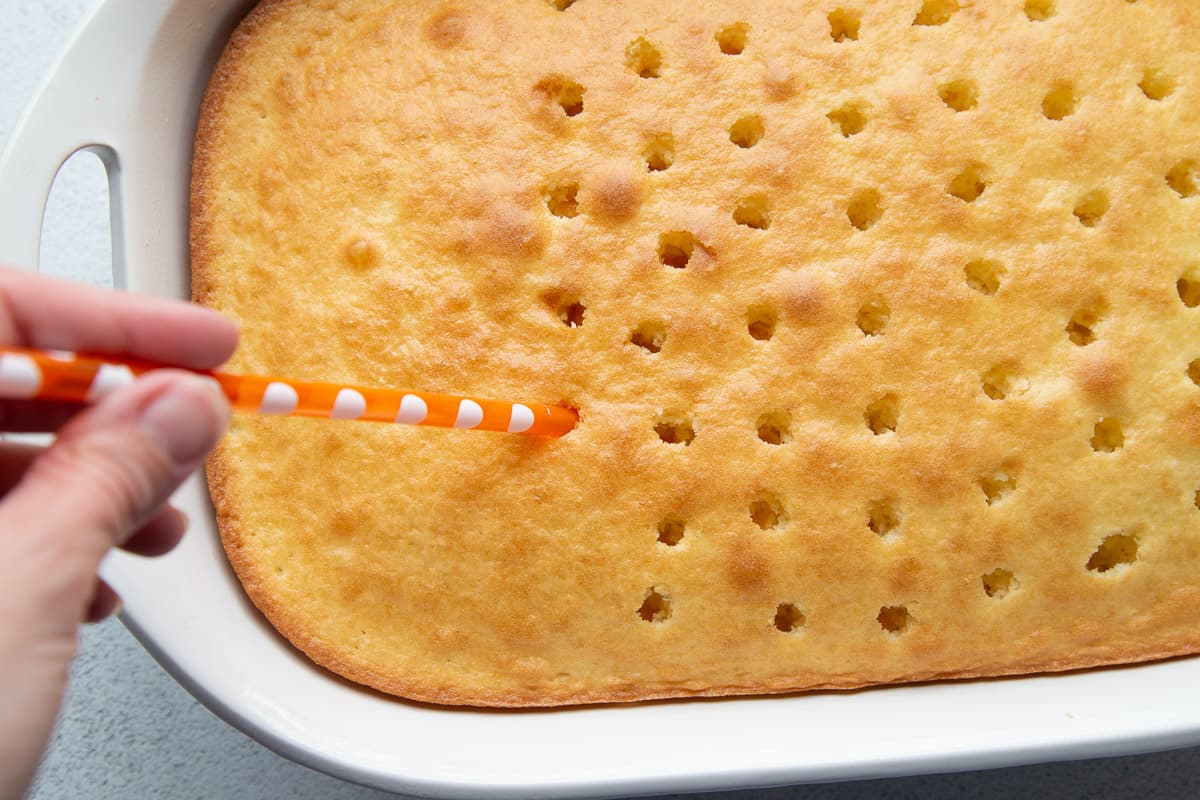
(1107, 436)
(1184, 178)
(1196, 499)
(983, 275)
(999, 382)
(873, 316)
(670, 530)
(1156, 84)
(564, 92)
(843, 24)
(571, 312)
(1188, 287)
(1059, 102)
(562, 5)
(643, 58)
(864, 209)
(1117, 550)
(883, 414)
(649, 336)
(562, 200)
(775, 427)
(747, 131)
(961, 94)
(675, 429)
(969, 184)
(1081, 329)
(761, 322)
(883, 517)
(675, 249)
(1193, 371)
(788, 618)
(894, 619)
(753, 212)
(998, 485)
(656, 607)
(732, 38)
(936, 12)
(850, 118)
(1091, 208)
(660, 152)
(999, 582)
(1039, 10)
(767, 513)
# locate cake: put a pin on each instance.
(882, 320)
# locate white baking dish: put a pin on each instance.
(130, 86)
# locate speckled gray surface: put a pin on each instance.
(129, 731)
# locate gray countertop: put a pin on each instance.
(128, 730)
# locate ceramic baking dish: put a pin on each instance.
(129, 88)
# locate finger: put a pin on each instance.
(108, 472)
(158, 536)
(104, 603)
(36, 311)
(14, 461)
(35, 416)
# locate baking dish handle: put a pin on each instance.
(76, 109)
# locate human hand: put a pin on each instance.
(104, 482)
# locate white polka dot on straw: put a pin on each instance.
(521, 420)
(19, 376)
(109, 378)
(413, 410)
(348, 405)
(279, 398)
(470, 414)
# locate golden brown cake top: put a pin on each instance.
(881, 318)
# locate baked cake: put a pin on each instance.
(882, 319)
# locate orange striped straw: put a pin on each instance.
(59, 375)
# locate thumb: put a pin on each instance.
(108, 471)
(111, 467)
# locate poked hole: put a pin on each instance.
(999, 583)
(873, 316)
(1060, 102)
(865, 209)
(671, 529)
(675, 249)
(656, 606)
(732, 38)
(936, 12)
(844, 24)
(761, 322)
(984, 275)
(849, 119)
(895, 620)
(747, 131)
(768, 513)
(753, 211)
(1117, 550)
(562, 199)
(675, 429)
(961, 94)
(789, 618)
(775, 428)
(650, 336)
(659, 153)
(643, 58)
(563, 92)
(1184, 178)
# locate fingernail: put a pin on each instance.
(187, 419)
